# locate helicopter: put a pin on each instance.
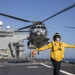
(37, 31)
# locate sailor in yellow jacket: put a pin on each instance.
(57, 51)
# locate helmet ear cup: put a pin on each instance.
(54, 38)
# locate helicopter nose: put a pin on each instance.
(38, 33)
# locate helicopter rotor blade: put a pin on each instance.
(25, 27)
(60, 12)
(2, 14)
(68, 27)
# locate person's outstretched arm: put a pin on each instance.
(68, 45)
(45, 47)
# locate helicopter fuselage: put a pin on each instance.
(38, 35)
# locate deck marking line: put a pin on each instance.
(65, 72)
(32, 66)
(1, 65)
(46, 65)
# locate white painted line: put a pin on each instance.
(32, 66)
(65, 72)
(1, 65)
(46, 65)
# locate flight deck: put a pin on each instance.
(33, 67)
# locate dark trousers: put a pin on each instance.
(56, 65)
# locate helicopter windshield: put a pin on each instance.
(33, 27)
(38, 26)
(43, 27)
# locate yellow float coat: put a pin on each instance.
(57, 49)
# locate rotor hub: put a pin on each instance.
(38, 22)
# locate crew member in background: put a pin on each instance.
(57, 52)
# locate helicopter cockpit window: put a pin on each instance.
(42, 27)
(38, 26)
(33, 27)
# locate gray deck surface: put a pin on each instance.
(33, 67)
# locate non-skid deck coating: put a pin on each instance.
(34, 67)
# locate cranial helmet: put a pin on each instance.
(56, 36)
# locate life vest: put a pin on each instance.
(57, 51)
